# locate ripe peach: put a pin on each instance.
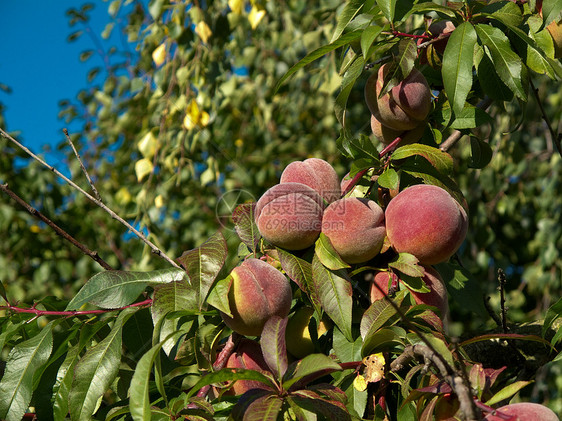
(248, 355)
(426, 221)
(386, 135)
(355, 228)
(523, 411)
(315, 173)
(289, 215)
(438, 28)
(299, 342)
(258, 291)
(405, 106)
(436, 297)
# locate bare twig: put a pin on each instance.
(557, 139)
(457, 381)
(454, 379)
(70, 313)
(62, 233)
(94, 190)
(457, 134)
(502, 281)
(491, 311)
(139, 234)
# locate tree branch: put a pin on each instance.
(58, 230)
(94, 190)
(557, 139)
(139, 234)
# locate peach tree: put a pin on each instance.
(334, 302)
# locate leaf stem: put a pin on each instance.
(70, 313)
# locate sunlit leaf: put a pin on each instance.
(273, 345)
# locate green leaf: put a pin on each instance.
(346, 351)
(463, 288)
(378, 314)
(437, 344)
(507, 63)
(507, 392)
(230, 374)
(116, 289)
(383, 339)
(139, 400)
(310, 401)
(389, 179)
(551, 10)
(313, 364)
(470, 117)
(429, 6)
(348, 82)
(204, 263)
(327, 255)
(489, 80)
(505, 12)
(316, 54)
(481, 153)
(273, 347)
(350, 10)
(335, 294)
(553, 313)
(24, 359)
(457, 65)
(265, 408)
(218, 296)
(387, 8)
(368, 37)
(300, 271)
(441, 161)
(408, 264)
(245, 225)
(169, 298)
(96, 370)
(401, 66)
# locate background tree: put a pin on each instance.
(197, 111)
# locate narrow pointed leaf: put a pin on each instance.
(16, 386)
(266, 408)
(331, 410)
(368, 37)
(441, 161)
(387, 8)
(139, 398)
(273, 346)
(507, 392)
(507, 63)
(350, 10)
(96, 370)
(218, 296)
(176, 296)
(319, 52)
(378, 314)
(230, 374)
(309, 368)
(204, 263)
(457, 65)
(327, 254)
(245, 225)
(335, 294)
(116, 289)
(505, 12)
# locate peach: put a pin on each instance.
(523, 411)
(355, 228)
(289, 215)
(315, 173)
(426, 221)
(299, 342)
(386, 135)
(438, 28)
(258, 292)
(436, 297)
(405, 106)
(248, 355)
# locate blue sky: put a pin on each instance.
(41, 67)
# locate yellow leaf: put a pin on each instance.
(204, 119)
(238, 143)
(236, 6)
(203, 30)
(143, 167)
(255, 16)
(159, 201)
(195, 117)
(35, 229)
(374, 371)
(123, 196)
(159, 54)
(147, 145)
(359, 383)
